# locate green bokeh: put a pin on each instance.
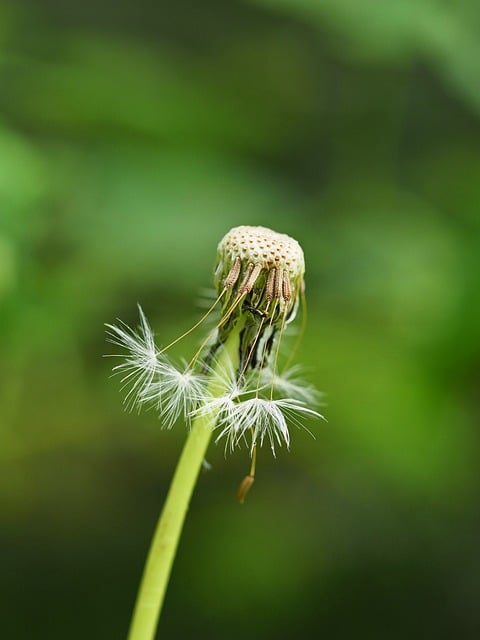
(132, 138)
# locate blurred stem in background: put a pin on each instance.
(165, 541)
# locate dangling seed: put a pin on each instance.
(244, 488)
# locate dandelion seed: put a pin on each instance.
(176, 392)
(245, 487)
(264, 419)
(221, 408)
(142, 362)
(289, 383)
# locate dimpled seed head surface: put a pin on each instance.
(259, 245)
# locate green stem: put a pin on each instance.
(165, 540)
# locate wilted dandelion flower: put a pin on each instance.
(259, 276)
(259, 281)
(232, 385)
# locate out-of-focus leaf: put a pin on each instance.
(23, 178)
(447, 35)
(120, 85)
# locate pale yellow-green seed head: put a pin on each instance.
(259, 245)
(262, 264)
(259, 276)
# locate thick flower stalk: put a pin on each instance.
(233, 385)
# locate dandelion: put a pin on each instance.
(231, 386)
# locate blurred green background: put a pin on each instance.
(132, 137)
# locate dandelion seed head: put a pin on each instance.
(258, 259)
(259, 278)
(259, 245)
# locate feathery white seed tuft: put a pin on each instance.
(263, 418)
(142, 361)
(175, 392)
(289, 384)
